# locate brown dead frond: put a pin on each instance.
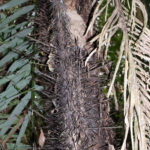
(134, 49)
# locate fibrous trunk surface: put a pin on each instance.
(78, 113)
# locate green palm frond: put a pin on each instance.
(134, 50)
(17, 85)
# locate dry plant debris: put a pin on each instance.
(134, 50)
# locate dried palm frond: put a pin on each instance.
(134, 49)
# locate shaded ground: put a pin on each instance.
(77, 111)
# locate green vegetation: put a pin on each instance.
(18, 89)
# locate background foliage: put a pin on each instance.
(19, 93)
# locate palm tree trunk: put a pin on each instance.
(82, 115)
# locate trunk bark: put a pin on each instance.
(81, 115)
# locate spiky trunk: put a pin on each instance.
(82, 113)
